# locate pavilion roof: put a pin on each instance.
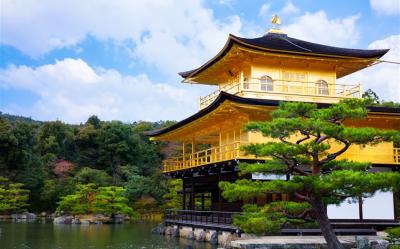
(282, 44)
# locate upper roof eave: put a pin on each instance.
(261, 44)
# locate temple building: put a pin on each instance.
(251, 76)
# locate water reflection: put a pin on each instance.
(123, 236)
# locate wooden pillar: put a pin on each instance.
(241, 80)
(219, 194)
(202, 201)
(396, 196)
(183, 154)
(192, 197)
(220, 145)
(183, 195)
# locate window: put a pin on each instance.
(266, 83)
(322, 87)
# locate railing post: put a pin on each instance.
(241, 80)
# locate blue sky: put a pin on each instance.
(119, 59)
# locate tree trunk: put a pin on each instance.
(325, 225)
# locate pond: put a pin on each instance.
(35, 235)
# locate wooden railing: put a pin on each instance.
(396, 155)
(214, 154)
(200, 217)
(286, 87)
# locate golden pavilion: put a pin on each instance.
(252, 75)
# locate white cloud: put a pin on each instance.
(382, 78)
(289, 9)
(71, 90)
(317, 27)
(172, 27)
(387, 7)
(264, 10)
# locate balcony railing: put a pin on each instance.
(212, 155)
(200, 217)
(321, 90)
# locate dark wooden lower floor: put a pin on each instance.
(223, 221)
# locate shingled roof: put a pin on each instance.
(281, 43)
(223, 96)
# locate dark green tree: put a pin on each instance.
(57, 138)
(118, 145)
(88, 175)
(303, 150)
(87, 142)
(371, 97)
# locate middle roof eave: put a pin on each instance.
(223, 96)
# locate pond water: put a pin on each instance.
(58, 236)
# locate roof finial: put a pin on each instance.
(276, 22)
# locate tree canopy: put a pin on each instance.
(52, 158)
(308, 142)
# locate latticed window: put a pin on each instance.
(322, 87)
(266, 83)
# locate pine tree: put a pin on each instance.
(304, 149)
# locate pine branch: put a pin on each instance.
(302, 197)
(333, 156)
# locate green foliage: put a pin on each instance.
(13, 198)
(114, 151)
(304, 135)
(111, 200)
(88, 175)
(154, 186)
(53, 190)
(372, 99)
(80, 202)
(393, 234)
(271, 217)
(89, 199)
(172, 199)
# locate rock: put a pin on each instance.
(98, 222)
(175, 232)
(190, 235)
(63, 220)
(119, 218)
(30, 216)
(159, 229)
(58, 220)
(168, 230)
(380, 244)
(229, 239)
(201, 236)
(362, 242)
(188, 247)
(214, 238)
(85, 222)
(75, 221)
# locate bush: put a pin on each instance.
(393, 234)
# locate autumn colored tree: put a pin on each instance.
(308, 143)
